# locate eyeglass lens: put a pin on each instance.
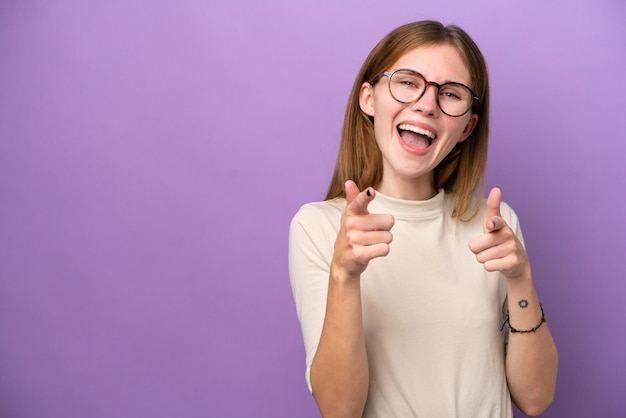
(407, 86)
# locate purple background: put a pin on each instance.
(153, 152)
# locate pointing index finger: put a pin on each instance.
(493, 218)
(357, 201)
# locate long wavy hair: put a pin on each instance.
(462, 171)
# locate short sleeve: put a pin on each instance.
(312, 235)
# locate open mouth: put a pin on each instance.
(415, 136)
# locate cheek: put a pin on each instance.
(381, 133)
(457, 130)
(386, 111)
(382, 122)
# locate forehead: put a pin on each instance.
(440, 63)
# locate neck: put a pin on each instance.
(416, 189)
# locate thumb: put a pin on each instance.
(357, 201)
(493, 219)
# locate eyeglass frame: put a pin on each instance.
(389, 74)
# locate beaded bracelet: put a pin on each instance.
(525, 331)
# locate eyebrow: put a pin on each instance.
(427, 78)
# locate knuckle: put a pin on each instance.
(512, 247)
(352, 237)
(490, 267)
(350, 222)
(360, 255)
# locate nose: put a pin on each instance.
(427, 104)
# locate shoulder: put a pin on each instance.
(316, 223)
(319, 213)
(313, 231)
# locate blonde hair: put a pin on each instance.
(462, 171)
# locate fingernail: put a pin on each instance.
(369, 194)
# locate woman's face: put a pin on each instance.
(415, 137)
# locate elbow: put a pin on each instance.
(536, 394)
(339, 409)
(536, 404)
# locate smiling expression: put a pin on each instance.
(415, 137)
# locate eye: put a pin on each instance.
(450, 95)
(407, 80)
(454, 92)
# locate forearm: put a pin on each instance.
(339, 373)
(532, 360)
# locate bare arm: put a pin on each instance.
(339, 372)
(532, 360)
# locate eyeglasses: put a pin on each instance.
(408, 86)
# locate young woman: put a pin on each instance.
(415, 296)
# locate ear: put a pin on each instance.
(469, 128)
(366, 99)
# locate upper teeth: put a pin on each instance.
(417, 130)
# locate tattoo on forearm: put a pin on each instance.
(523, 303)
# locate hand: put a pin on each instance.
(362, 236)
(498, 249)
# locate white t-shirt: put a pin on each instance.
(432, 315)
